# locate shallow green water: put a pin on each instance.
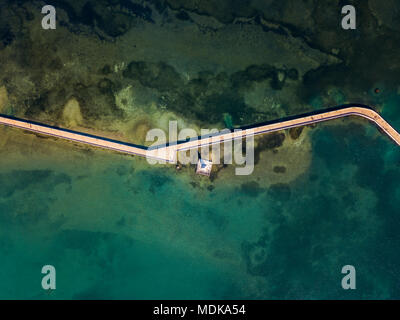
(120, 231)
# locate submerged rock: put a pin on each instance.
(295, 132)
(279, 169)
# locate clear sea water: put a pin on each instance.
(115, 228)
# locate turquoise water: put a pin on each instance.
(116, 228)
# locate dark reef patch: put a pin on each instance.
(257, 73)
(37, 105)
(269, 141)
(295, 132)
(224, 11)
(105, 18)
(106, 86)
(155, 179)
(183, 15)
(209, 98)
(6, 36)
(159, 76)
(106, 70)
(279, 169)
(292, 74)
(112, 22)
(92, 107)
(226, 102)
(251, 189)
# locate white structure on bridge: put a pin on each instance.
(204, 167)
